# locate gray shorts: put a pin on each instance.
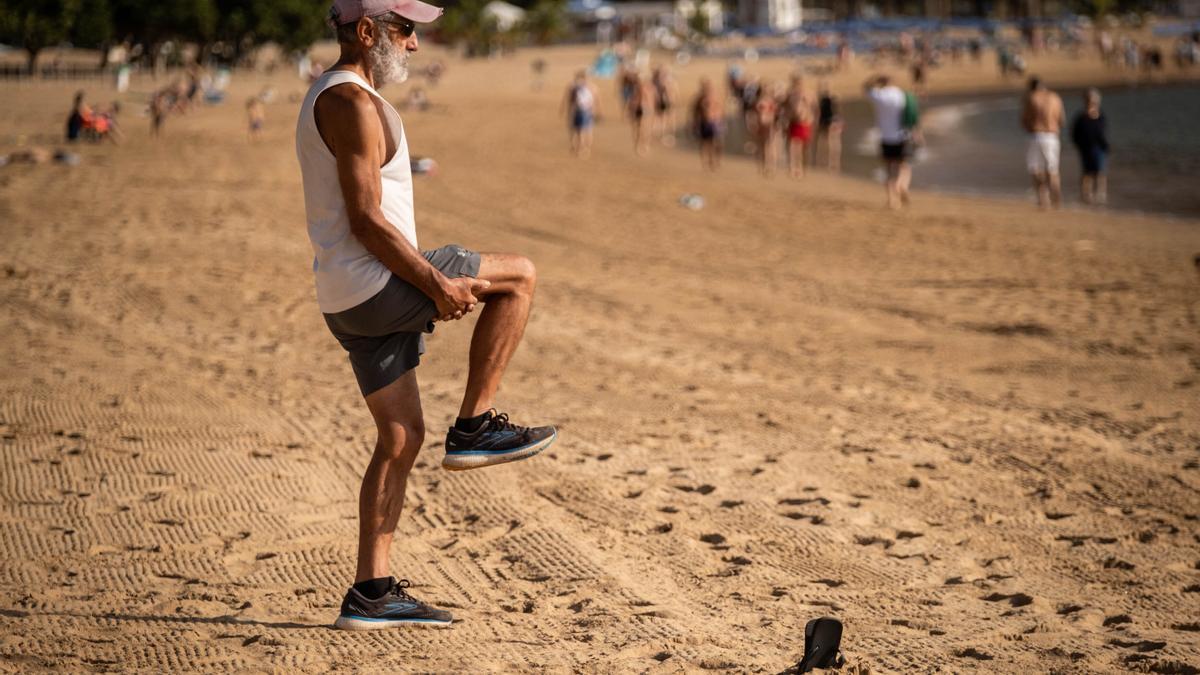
(383, 336)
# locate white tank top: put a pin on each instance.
(583, 99)
(347, 274)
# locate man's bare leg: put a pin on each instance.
(903, 178)
(481, 437)
(585, 143)
(371, 603)
(1055, 188)
(500, 326)
(401, 428)
(893, 183)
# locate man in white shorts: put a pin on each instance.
(379, 293)
(1042, 115)
(895, 140)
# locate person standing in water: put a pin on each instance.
(580, 106)
(1042, 116)
(1089, 133)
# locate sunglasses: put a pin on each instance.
(405, 27)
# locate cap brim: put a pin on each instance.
(418, 11)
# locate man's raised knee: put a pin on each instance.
(402, 439)
(527, 274)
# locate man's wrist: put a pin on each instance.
(438, 283)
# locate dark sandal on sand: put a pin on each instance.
(822, 644)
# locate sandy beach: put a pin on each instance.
(970, 430)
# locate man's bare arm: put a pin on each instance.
(1027, 113)
(349, 123)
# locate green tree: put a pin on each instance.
(93, 27)
(466, 23)
(546, 21)
(153, 22)
(698, 23)
(36, 24)
(293, 24)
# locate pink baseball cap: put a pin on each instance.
(347, 11)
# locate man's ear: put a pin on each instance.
(366, 32)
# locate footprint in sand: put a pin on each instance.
(1117, 620)
(973, 653)
(1141, 646)
(796, 515)
(1014, 599)
(801, 501)
(872, 540)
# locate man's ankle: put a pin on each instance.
(470, 424)
(373, 589)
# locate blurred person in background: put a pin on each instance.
(829, 126)
(79, 118)
(256, 116)
(799, 112)
(708, 119)
(580, 107)
(641, 112)
(895, 140)
(1042, 116)
(767, 116)
(665, 93)
(1089, 133)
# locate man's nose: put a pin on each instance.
(413, 43)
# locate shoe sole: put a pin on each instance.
(462, 461)
(364, 623)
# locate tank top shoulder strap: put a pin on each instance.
(333, 78)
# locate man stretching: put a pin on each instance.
(379, 292)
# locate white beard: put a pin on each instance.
(389, 63)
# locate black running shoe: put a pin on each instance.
(497, 441)
(394, 608)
